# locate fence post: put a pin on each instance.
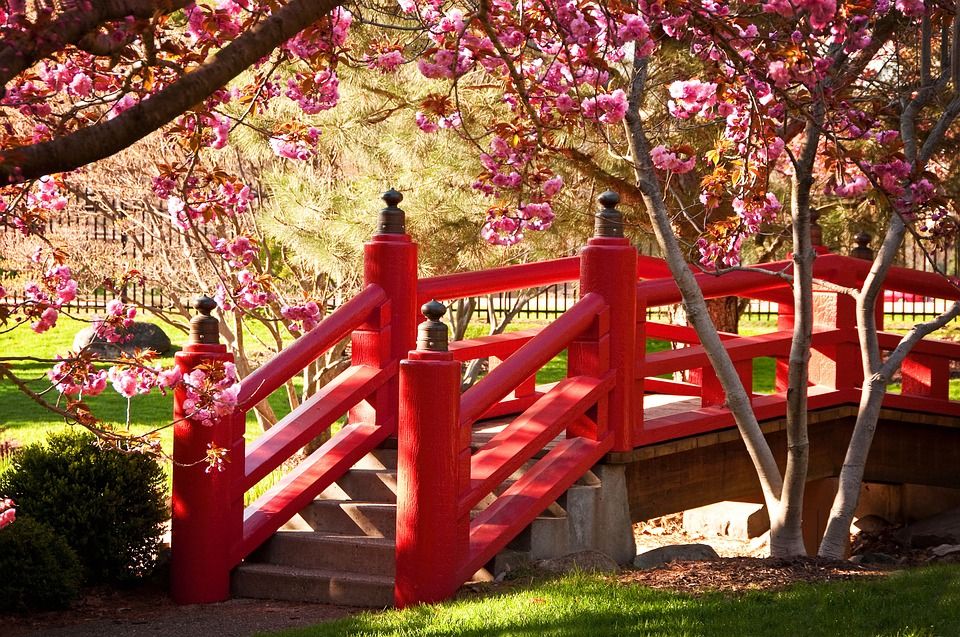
(608, 266)
(433, 467)
(390, 261)
(207, 507)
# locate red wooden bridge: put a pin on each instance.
(465, 488)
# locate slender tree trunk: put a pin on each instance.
(738, 400)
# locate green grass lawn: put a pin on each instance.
(917, 603)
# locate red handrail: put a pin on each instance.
(514, 277)
(529, 358)
(286, 364)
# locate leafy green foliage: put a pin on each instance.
(109, 506)
(39, 570)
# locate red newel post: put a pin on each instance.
(432, 467)
(608, 266)
(390, 261)
(207, 507)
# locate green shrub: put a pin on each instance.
(38, 570)
(108, 505)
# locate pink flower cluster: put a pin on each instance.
(667, 159)
(131, 380)
(314, 93)
(211, 392)
(303, 317)
(755, 210)
(431, 124)
(118, 318)
(239, 253)
(691, 98)
(43, 303)
(500, 229)
(8, 514)
(323, 37)
(293, 146)
(609, 108)
(79, 376)
(252, 292)
(47, 195)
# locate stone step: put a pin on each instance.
(379, 460)
(368, 485)
(328, 552)
(348, 517)
(271, 581)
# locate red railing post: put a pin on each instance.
(925, 375)
(207, 522)
(390, 261)
(608, 266)
(433, 469)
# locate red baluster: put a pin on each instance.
(390, 261)
(207, 507)
(433, 468)
(609, 267)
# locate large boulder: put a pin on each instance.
(138, 336)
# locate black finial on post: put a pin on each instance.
(392, 219)
(862, 251)
(609, 221)
(204, 329)
(432, 334)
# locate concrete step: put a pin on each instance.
(328, 552)
(368, 485)
(379, 459)
(349, 517)
(271, 581)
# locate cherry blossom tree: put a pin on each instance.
(734, 116)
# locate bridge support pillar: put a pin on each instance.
(609, 268)
(207, 505)
(390, 261)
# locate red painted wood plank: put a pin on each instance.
(528, 497)
(706, 419)
(303, 351)
(307, 421)
(520, 440)
(923, 404)
(515, 277)
(679, 333)
(931, 346)
(529, 358)
(499, 345)
(317, 472)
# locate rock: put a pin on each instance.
(933, 531)
(865, 559)
(871, 524)
(675, 553)
(588, 561)
(141, 336)
(742, 520)
(945, 549)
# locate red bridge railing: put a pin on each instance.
(397, 386)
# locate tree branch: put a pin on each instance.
(108, 137)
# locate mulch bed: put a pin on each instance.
(736, 574)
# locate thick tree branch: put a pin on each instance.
(108, 137)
